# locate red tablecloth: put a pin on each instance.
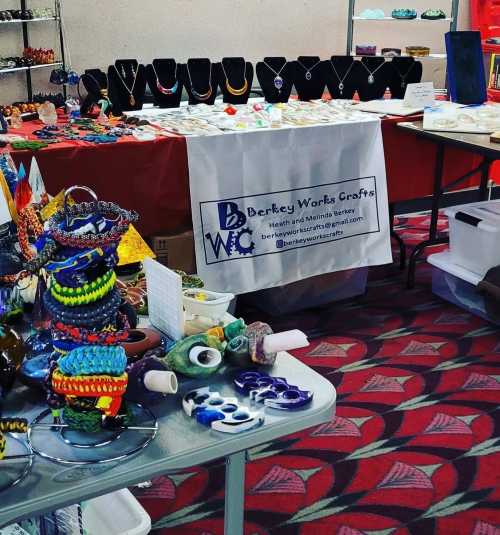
(152, 176)
(148, 176)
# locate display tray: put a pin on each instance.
(452, 117)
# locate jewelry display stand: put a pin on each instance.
(94, 81)
(16, 465)
(58, 443)
(164, 78)
(201, 81)
(309, 78)
(375, 79)
(342, 76)
(404, 71)
(127, 85)
(276, 76)
(235, 78)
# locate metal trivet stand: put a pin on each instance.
(9, 460)
(114, 444)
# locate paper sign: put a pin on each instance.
(419, 95)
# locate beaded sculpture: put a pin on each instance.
(87, 378)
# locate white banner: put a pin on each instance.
(276, 206)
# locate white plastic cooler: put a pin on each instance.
(475, 236)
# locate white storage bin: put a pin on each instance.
(459, 286)
(475, 236)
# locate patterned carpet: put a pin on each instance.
(415, 444)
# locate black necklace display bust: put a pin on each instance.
(342, 75)
(235, 78)
(127, 85)
(164, 77)
(374, 81)
(94, 81)
(200, 80)
(276, 76)
(404, 71)
(309, 78)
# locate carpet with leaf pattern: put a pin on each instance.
(414, 448)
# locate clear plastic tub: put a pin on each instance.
(475, 236)
(459, 286)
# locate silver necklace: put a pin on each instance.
(131, 98)
(278, 80)
(308, 71)
(404, 76)
(341, 80)
(201, 96)
(371, 77)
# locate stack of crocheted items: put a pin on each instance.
(87, 378)
(10, 425)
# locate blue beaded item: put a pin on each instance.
(94, 360)
(274, 392)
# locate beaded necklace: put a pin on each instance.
(232, 90)
(166, 90)
(201, 96)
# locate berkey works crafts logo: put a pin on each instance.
(233, 238)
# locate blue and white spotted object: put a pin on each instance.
(274, 392)
(226, 415)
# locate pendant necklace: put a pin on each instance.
(341, 80)
(308, 71)
(201, 96)
(278, 80)
(404, 76)
(131, 98)
(371, 77)
(166, 90)
(232, 90)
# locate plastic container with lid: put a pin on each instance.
(459, 286)
(475, 236)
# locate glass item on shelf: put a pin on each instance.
(366, 50)
(372, 14)
(34, 371)
(433, 14)
(404, 14)
(73, 78)
(222, 414)
(391, 52)
(274, 392)
(196, 356)
(418, 51)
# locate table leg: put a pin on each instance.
(397, 238)
(234, 506)
(436, 197)
(485, 176)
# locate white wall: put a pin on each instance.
(98, 31)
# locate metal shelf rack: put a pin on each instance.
(452, 21)
(57, 19)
